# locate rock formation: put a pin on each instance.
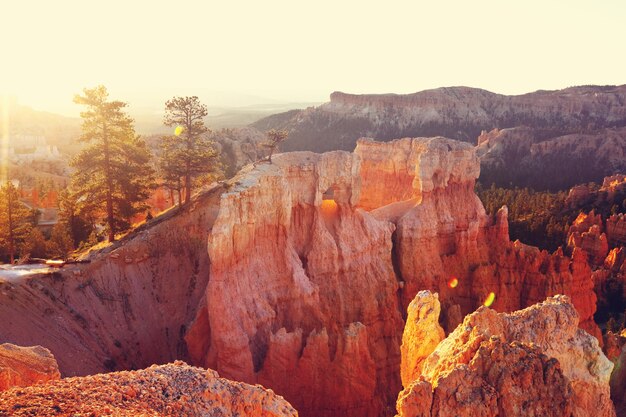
(422, 334)
(541, 159)
(23, 366)
(577, 134)
(311, 264)
(127, 309)
(456, 112)
(314, 257)
(586, 233)
(531, 362)
(168, 390)
(616, 229)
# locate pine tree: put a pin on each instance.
(188, 153)
(15, 219)
(171, 170)
(76, 223)
(113, 173)
(274, 138)
(35, 245)
(60, 243)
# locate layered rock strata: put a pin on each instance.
(531, 362)
(23, 366)
(314, 259)
(128, 308)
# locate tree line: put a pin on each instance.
(114, 175)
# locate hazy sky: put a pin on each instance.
(234, 51)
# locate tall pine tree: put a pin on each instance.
(15, 219)
(113, 176)
(188, 153)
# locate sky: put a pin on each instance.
(250, 52)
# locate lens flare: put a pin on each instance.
(453, 282)
(179, 130)
(490, 299)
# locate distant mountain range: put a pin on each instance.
(463, 113)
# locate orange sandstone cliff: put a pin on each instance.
(315, 257)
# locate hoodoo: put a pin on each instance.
(311, 304)
(312, 261)
(531, 362)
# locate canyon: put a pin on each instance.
(544, 139)
(297, 275)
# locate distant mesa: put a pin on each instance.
(544, 139)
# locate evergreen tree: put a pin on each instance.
(60, 243)
(15, 219)
(188, 153)
(274, 138)
(76, 223)
(35, 245)
(112, 174)
(171, 170)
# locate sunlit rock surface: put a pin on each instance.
(315, 257)
(422, 334)
(23, 366)
(167, 390)
(296, 275)
(531, 362)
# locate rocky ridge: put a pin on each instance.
(544, 139)
(531, 157)
(167, 390)
(128, 308)
(531, 362)
(23, 366)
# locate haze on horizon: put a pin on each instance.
(241, 53)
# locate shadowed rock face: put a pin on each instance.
(311, 264)
(531, 157)
(129, 308)
(168, 390)
(23, 366)
(456, 112)
(531, 362)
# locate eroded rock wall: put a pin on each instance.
(126, 309)
(315, 258)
